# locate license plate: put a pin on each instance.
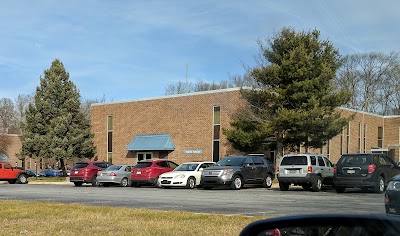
(292, 171)
(351, 171)
(138, 172)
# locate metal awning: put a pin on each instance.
(151, 142)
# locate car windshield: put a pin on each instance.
(294, 160)
(143, 165)
(231, 161)
(80, 165)
(356, 159)
(187, 167)
(114, 167)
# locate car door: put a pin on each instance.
(261, 169)
(248, 170)
(328, 171)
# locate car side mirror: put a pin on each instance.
(331, 224)
(201, 169)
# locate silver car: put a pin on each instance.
(115, 174)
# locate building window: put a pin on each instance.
(341, 142)
(365, 138)
(216, 132)
(144, 156)
(359, 137)
(109, 138)
(328, 149)
(380, 137)
(348, 139)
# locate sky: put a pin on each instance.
(127, 50)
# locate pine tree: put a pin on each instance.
(55, 126)
(297, 101)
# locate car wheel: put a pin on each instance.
(267, 182)
(94, 181)
(306, 186)
(236, 183)
(22, 179)
(317, 184)
(191, 182)
(340, 189)
(77, 184)
(380, 185)
(283, 186)
(124, 182)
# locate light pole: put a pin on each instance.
(36, 174)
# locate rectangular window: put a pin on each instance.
(328, 149)
(365, 138)
(144, 156)
(359, 137)
(380, 137)
(216, 132)
(348, 139)
(341, 142)
(109, 138)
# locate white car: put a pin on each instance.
(185, 175)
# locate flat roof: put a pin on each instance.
(174, 96)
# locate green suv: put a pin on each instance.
(310, 171)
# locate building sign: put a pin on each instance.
(199, 151)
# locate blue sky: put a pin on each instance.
(127, 50)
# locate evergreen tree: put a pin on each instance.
(55, 126)
(296, 101)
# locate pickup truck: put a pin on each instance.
(12, 175)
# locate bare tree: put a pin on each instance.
(7, 114)
(21, 105)
(86, 104)
(373, 79)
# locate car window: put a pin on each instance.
(128, 168)
(173, 164)
(328, 162)
(313, 160)
(321, 161)
(1, 166)
(80, 165)
(356, 159)
(143, 165)
(231, 161)
(294, 160)
(162, 164)
(7, 166)
(248, 161)
(100, 165)
(258, 161)
(382, 160)
(115, 167)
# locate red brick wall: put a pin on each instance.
(187, 118)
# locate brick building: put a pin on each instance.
(188, 127)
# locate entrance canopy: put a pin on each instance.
(151, 142)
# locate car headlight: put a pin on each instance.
(227, 171)
(394, 186)
(180, 176)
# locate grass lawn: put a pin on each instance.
(41, 218)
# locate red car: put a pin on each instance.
(147, 172)
(86, 172)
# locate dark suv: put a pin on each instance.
(365, 171)
(235, 171)
(86, 172)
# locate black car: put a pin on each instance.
(365, 171)
(235, 171)
(392, 196)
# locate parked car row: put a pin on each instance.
(232, 171)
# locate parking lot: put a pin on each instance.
(247, 201)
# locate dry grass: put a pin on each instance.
(47, 179)
(39, 218)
